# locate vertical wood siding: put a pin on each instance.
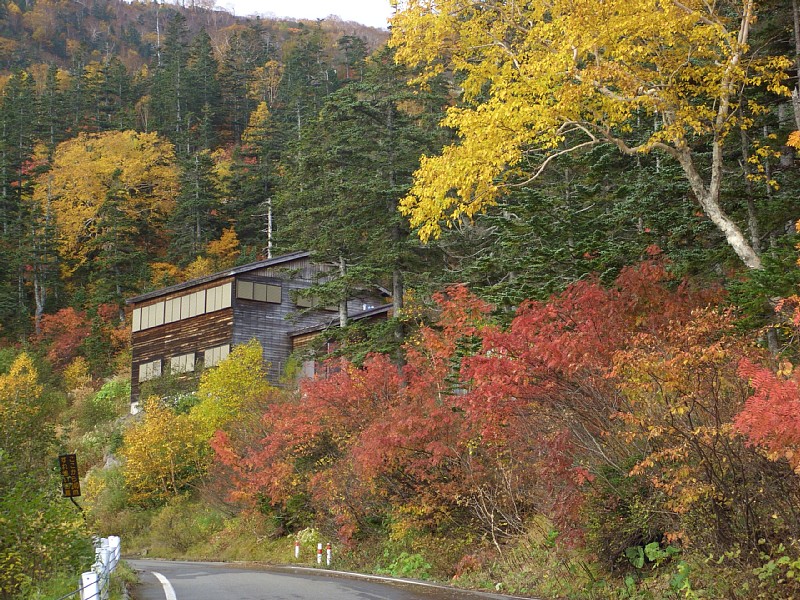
(271, 323)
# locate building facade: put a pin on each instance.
(194, 324)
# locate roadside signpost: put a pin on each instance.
(70, 480)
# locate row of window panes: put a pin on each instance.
(182, 364)
(314, 302)
(260, 292)
(150, 370)
(185, 363)
(183, 307)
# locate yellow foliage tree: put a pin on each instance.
(236, 382)
(165, 454)
(163, 274)
(547, 77)
(199, 267)
(21, 417)
(266, 79)
(138, 166)
(224, 251)
(255, 132)
(40, 534)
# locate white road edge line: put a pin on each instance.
(312, 570)
(169, 591)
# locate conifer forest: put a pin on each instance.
(584, 214)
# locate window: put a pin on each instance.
(182, 364)
(172, 310)
(150, 370)
(182, 307)
(260, 292)
(219, 297)
(307, 370)
(313, 302)
(274, 294)
(213, 356)
(244, 289)
(151, 316)
(305, 302)
(197, 303)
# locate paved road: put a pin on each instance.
(176, 580)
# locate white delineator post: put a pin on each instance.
(102, 567)
(319, 553)
(328, 554)
(297, 548)
(115, 549)
(94, 584)
(88, 587)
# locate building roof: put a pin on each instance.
(270, 262)
(334, 321)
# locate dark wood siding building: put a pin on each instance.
(179, 328)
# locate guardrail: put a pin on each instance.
(95, 584)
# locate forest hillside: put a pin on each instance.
(585, 216)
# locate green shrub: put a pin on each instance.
(182, 524)
(110, 401)
(406, 565)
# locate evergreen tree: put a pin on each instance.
(592, 213)
(118, 260)
(350, 168)
(353, 54)
(118, 96)
(253, 181)
(204, 95)
(247, 50)
(308, 79)
(195, 221)
(169, 90)
(52, 110)
(40, 254)
(18, 121)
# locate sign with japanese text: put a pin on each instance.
(70, 482)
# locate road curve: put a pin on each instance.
(179, 580)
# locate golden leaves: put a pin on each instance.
(164, 453)
(137, 167)
(225, 389)
(528, 70)
(19, 389)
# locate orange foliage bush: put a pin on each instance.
(607, 409)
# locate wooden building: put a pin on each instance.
(179, 328)
(307, 335)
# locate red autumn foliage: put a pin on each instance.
(495, 425)
(547, 378)
(771, 416)
(367, 433)
(64, 331)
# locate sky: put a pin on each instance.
(368, 12)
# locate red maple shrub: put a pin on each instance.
(771, 416)
(609, 410)
(64, 332)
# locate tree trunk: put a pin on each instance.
(708, 197)
(752, 216)
(343, 317)
(796, 90)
